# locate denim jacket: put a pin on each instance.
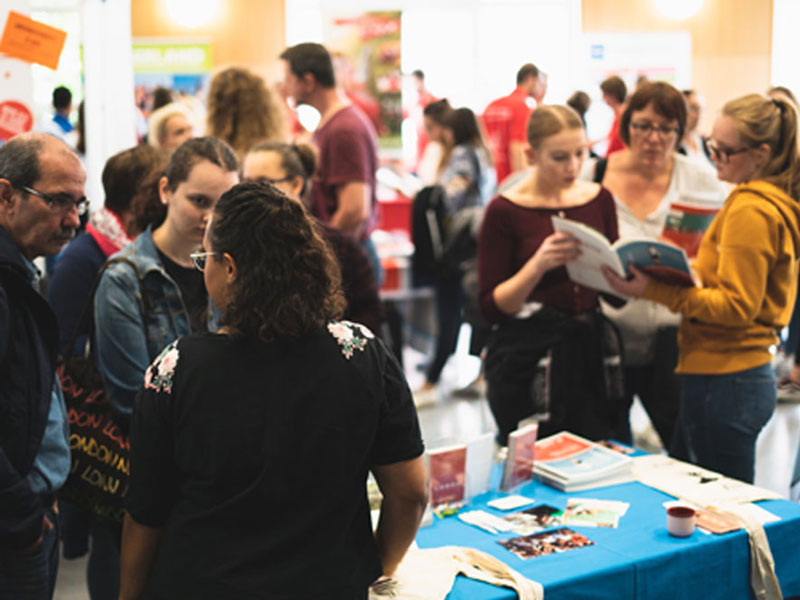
(125, 343)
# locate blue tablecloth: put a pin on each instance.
(638, 560)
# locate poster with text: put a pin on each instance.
(634, 56)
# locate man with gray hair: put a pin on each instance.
(41, 199)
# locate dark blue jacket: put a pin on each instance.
(69, 288)
(28, 346)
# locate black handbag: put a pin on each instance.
(98, 441)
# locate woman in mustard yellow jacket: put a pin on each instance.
(747, 268)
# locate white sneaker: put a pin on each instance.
(476, 389)
(788, 391)
(425, 397)
(782, 364)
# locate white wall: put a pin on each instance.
(785, 44)
(470, 50)
(109, 105)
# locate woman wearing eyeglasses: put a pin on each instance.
(645, 178)
(250, 447)
(138, 312)
(747, 266)
(290, 167)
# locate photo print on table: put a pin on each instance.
(534, 519)
(549, 542)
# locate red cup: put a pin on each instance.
(680, 520)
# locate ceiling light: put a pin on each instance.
(678, 10)
(192, 13)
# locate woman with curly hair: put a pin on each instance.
(290, 168)
(236, 434)
(243, 111)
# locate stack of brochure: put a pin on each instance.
(571, 463)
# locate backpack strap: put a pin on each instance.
(88, 309)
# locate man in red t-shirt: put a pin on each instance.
(614, 92)
(506, 120)
(343, 190)
(424, 97)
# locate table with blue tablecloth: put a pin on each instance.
(639, 559)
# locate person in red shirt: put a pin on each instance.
(614, 93)
(424, 97)
(506, 118)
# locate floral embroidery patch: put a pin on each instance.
(350, 336)
(159, 376)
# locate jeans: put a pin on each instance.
(102, 569)
(720, 417)
(449, 302)
(31, 575)
(658, 388)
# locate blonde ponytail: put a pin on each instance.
(771, 121)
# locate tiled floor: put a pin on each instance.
(451, 420)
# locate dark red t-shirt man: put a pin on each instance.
(348, 151)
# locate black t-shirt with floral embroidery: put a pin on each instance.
(253, 457)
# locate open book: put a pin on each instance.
(659, 260)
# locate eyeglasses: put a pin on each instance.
(272, 181)
(723, 155)
(663, 132)
(199, 259)
(61, 203)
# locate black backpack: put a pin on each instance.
(428, 233)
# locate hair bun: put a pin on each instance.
(308, 157)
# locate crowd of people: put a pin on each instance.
(221, 266)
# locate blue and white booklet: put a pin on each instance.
(572, 463)
(660, 260)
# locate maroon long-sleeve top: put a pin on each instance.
(511, 234)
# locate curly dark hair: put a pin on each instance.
(288, 283)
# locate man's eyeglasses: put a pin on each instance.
(723, 155)
(61, 203)
(647, 128)
(199, 259)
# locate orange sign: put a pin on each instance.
(32, 41)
